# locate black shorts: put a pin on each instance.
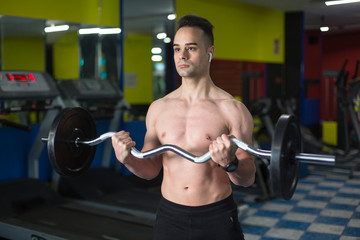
(218, 220)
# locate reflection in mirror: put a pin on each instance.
(82, 51)
(109, 62)
(62, 49)
(99, 51)
(22, 43)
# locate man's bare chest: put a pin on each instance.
(189, 127)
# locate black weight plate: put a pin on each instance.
(284, 167)
(65, 157)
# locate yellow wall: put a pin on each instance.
(66, 56)
(23, 53)
(103, 12)
(242, 31)
(137, 60)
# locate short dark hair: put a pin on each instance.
(200, 22)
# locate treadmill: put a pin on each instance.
(29, 209)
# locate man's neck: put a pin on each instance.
(195, 89)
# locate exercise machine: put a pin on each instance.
(31, 210)
(103, 187)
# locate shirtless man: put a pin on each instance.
(198, 117)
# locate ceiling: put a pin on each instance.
(152, 13)
(143, 16)
(316, 12)
(148, 16)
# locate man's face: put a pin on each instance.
(190, 52)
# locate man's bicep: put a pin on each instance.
(151, 140)
(242, 125)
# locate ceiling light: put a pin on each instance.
(171, 16)
(161, 35)
(324, 29)
(156, 50)
(99, 31)
(167, 40)
(156, 58)
(58, 28)
(110, 31)
(89, 31)
(329, 3)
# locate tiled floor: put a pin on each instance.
(326, 205)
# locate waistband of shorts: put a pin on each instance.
(225, 204)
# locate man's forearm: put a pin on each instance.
(244, 175)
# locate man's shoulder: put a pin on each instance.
(232, 103)
(235, 110)
(159, 104)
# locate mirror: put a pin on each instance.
(22, 43)
(99, 55)
(73, 54)
(70, 55)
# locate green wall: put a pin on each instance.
(137, 62)
(66, 52)
(23, 53)
(66, 56)
(242, 31)
(105, 12)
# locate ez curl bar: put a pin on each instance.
(72, 141)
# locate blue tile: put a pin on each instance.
(273, 214)
(348, 185)
(356, 215)
(350, 231)
(302, 191)
(327, 188)
(332, 220)
(255, 204)
(348, 195)
(309, 182)
(257, 230)
(269, 238)
(341, 206)
(318, 175)
(292, 224)
(306, 210)
(288, 202)
(318, 198)
(318, 236)
(340, 179)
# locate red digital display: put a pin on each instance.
(21, 77)
(31, 77)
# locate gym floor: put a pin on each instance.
(325, 205)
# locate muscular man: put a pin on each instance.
(199, 117)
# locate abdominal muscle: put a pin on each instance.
(193, 184)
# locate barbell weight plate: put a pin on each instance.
(65, 157)
(284, 167)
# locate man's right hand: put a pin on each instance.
(122, 144)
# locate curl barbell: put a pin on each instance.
(72, 141)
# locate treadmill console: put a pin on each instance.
(26, 85)
(90, 90)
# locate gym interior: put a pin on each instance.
(114, 58)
